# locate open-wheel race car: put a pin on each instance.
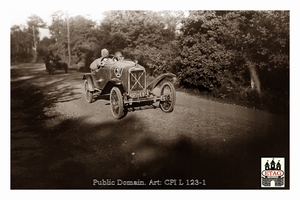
(56, 64)
(125, 83)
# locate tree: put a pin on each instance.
(225, 50)
(147, 36)
(205, 60)
(262, 40)
(34, 23)
(81, 37)
(21, 43)
(44, 44)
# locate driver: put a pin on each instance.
(100, 61)
(49, 57)
(96, 64)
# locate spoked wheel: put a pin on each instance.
(65, 66)
(88, 94)
(168, 91)
(117, 104)
(51, 70)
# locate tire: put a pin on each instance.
(65, 67)
(116, 103)
(88, 94)
(51, 71)
(169, 92)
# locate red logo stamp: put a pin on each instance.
(272, 172)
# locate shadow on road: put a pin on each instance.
(74, 153)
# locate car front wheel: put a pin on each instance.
(88, 94)
(117, 104)
(169, 95)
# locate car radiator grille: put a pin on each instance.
(137, 80)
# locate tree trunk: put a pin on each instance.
(255, 82)
(34, 48)
(69, 48)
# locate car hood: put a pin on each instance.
(125, 64)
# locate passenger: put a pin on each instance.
(118, 56)
(100, 61)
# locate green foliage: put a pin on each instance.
(264, 37)
(217, 45)
(205, 60)
(147, 36)
(212, 51)
(83, 43)
(24, 39)
(21, 45)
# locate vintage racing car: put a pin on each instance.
(125, 83)
(56, 64)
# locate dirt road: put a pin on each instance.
(60, 141)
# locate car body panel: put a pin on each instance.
(89, 78)
(113, 73)
(159, 79)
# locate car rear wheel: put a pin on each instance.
(117, 104)
(65, 66)
(88, 94)
(51, 70)
(168, 91)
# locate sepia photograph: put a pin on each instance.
(152, 98)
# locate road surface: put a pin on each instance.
(59, 141)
